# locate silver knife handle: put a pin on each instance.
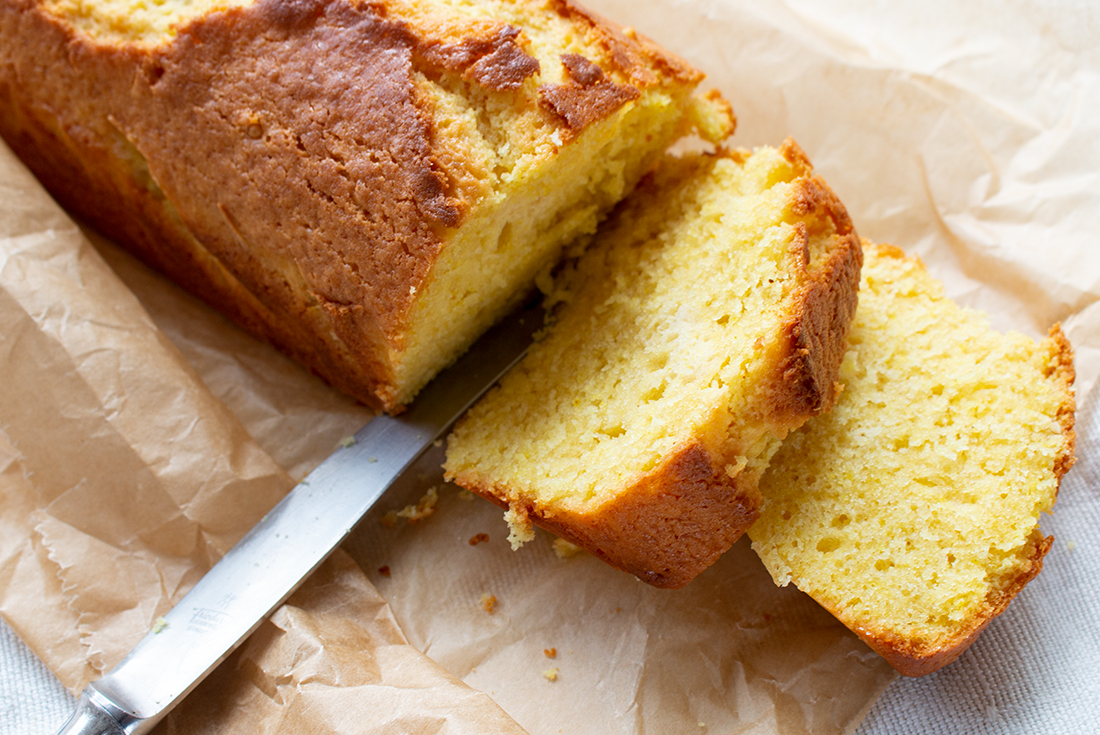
(92, 718)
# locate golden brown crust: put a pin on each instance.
(1060, 370)
(250, 170)
(666, 528)
(588, 96)
(628, 52)
(817, 330)
(495, 62)
(793, 153)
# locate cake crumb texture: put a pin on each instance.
(911, 511)
(707, 321)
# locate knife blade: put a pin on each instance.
(272, 560)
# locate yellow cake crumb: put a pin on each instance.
(520, 529)
(551, 674)
(565, 549)
(424, 507)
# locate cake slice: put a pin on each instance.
(706, 321)
(367, 185)
(911, 511)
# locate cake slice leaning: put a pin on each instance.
(911, 511)
(708, 320)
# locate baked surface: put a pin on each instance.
(911, 511)
(367, 185)
(706, 321)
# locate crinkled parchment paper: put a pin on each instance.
(122, 479)
(137, 444)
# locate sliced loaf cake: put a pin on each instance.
(368, 185)
(708, 320)
(911, 511)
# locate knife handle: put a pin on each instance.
(92, 718)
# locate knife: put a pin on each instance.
(258, 574)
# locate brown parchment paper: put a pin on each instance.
(130, 477)
(122, 479)
(963, 134)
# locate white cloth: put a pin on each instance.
(32, 701)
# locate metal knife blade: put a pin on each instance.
(294, 538)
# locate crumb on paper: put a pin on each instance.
(159, 625)
(437, 443)
(423, 508)
(488, 602)
(565, 549)
(465, 495)
(384, 570)
(372, 460)
(551, 674)
(1070, 545)
(520, 530)
(550, 652)
(701, 724)
(480, 538)
(347, 441)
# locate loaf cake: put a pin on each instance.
(911, 511)
(706, 321)
(368, 185)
